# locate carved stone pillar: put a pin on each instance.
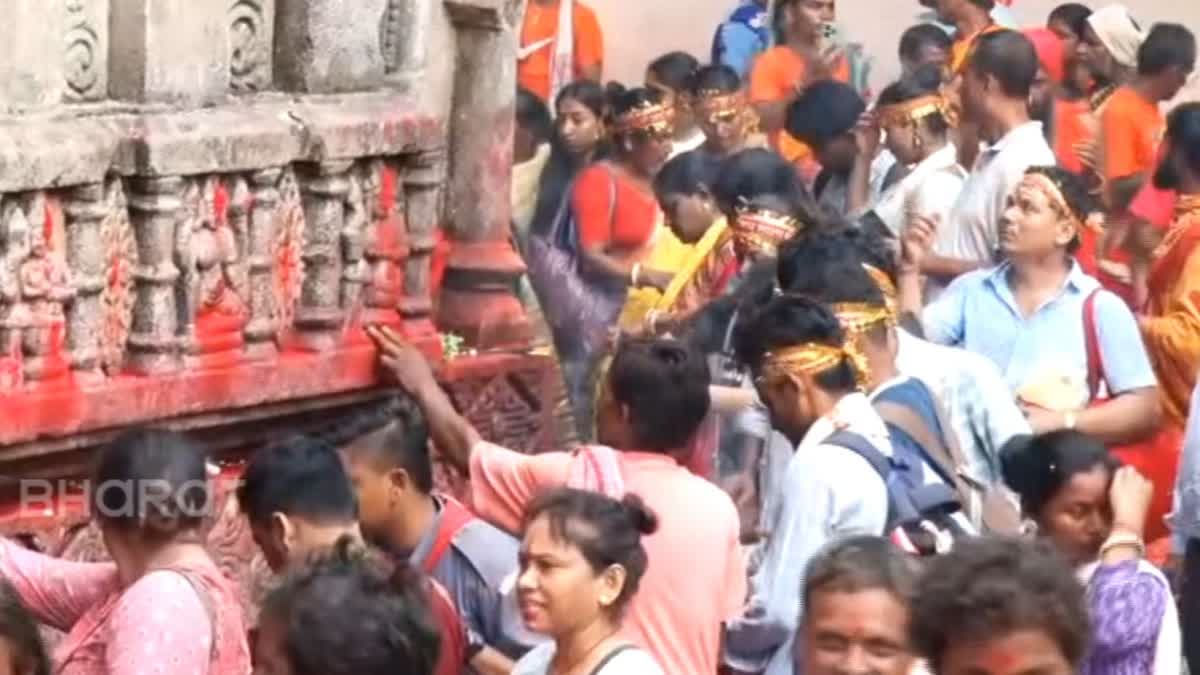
(154, 206)
(320, 316)
(477, 299)
(260, 324)
(86, 208)
(422, 200)
(327, 46)
(169, 51)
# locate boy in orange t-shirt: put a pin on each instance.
(538, 37)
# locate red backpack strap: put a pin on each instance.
(454, 518)
(1091, 338)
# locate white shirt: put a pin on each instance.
(972, 230)
(830, 493)
(929, 191)
(631, 661)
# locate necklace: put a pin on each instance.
(582, 659)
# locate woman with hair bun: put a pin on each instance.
(581, 562)
(1092, 510)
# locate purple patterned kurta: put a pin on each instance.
(1127, 604)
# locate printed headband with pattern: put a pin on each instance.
(1054, 194)
(763, 230)
(654, 118)
(917, 109)
(813, 358)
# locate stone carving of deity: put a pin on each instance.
(34, 292)
(213, 269)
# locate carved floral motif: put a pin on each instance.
(287, 252)
(116, 300)
(249, 46)
(81, 65)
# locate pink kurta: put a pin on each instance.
(159, 625)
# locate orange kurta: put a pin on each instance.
(1130, 130)
(776, 75)
(1171, 328)
(541, 24)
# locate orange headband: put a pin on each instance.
(763, 230)
(812, 358)
(1053, 191)
(655, 118)
(716, 102)
(881, 279)
(917, 109)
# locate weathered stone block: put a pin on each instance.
(85, 59)
(30, 59)
(169, 51)
(329, 46)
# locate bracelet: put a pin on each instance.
(1119, 539)
(652, 321)
(635, 273)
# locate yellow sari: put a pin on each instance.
(667, 254)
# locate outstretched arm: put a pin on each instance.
(452, 433)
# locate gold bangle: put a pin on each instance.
(1118, 539)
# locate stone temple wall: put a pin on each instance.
(202, 203)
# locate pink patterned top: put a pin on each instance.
(162, 624)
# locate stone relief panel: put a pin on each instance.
(251, 40)
(85, 55)
(159, 275)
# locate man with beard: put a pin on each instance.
(1171, 329)
(1131, 126)
(996, 85)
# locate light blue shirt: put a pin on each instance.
(1185, 520)
(744, 35)
(979, 313)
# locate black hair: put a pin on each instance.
(664, 384)
(986, 588)
(606, 531)
(689, 173)
(302, 477)
(876, 245)
(1074, 190)
(624, 100)
(826, 266)
(1167, 44)
(791, 320)
(562, 166)
(1183, 130)
(1072, 14)
(715, 77)
(758, 171)
(924, 81)
(861, 563)
(708, 328)
(348, 614)
(777, 27)
(916, 38)
(675, 69)
(152, 480)
(1037, 467)
(533, 115)
(392, 433)
(19, 629)
(826, 110)
(1008, 56)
